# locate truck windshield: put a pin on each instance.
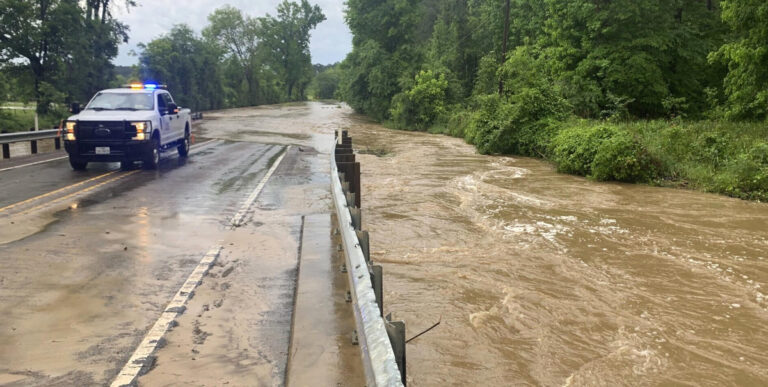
(122, 101)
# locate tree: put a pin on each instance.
(188, 65)
(286, 39)
(746, 57)
(383, 53)
(237, 36)
(326, 81)
(66, 49)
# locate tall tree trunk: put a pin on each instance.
(504, 44)
(104, 10)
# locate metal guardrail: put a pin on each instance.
(8, 138)
(33, 136)
(381, 341)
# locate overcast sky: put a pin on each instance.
(331, 40)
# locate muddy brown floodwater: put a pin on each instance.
(548, 279)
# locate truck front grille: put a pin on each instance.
(102, 130)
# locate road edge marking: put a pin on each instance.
(143, 357)
(237, 220)
(31, 164)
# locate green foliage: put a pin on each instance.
(193, 76)
(326, 83)
(239, 60)
(437, 65)
(419, 106)
(61, 50)
(383, 53)
(370, 79)
(747, 59)
(286, 40)
(575, 148)
(522, 119)
(622, 158)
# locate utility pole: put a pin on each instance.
(504, 45)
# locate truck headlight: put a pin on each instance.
(142, 128)
(69, 130)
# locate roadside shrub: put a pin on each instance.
(622, 158)
(487, 124)
(522, 123)
(453, 123)
(574, 149)
(420, 106)
(746, 176)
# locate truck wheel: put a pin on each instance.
(153, 159)
(184, 147)
(77, 165)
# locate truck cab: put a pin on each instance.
(127, 125)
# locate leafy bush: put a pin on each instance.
(421, 105)
(746, 176)
(525, 118)
(622, 158)
(574, 149)
(454, 122)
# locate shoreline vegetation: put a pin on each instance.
(671, 93)
(721, 157)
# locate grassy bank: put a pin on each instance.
(714, 156)
(13, 120)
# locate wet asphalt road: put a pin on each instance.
(91, 259)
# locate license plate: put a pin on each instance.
(102, 150)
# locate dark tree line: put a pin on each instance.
(59, 51)
(639, 58)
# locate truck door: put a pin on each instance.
(176, 122)
(165, 118)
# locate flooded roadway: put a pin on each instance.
(548, 279)
(89, 261)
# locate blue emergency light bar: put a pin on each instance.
(144, 86)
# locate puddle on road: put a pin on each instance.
(549, 279)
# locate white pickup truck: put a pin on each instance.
(135, 123)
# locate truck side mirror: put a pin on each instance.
(74, 108)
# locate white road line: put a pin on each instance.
(237, 220)
(143, 358)
(35, 163)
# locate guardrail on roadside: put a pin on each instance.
(197, 116)
(381, 341)
(6, 139)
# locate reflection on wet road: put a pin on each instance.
(549, 279)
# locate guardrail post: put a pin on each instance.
(396, 333)
(57, 143)
(365, 244)
(345, 158)
(33, 147)
(357, 218)
(350, 199)
(6, 151)
(377, 281)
